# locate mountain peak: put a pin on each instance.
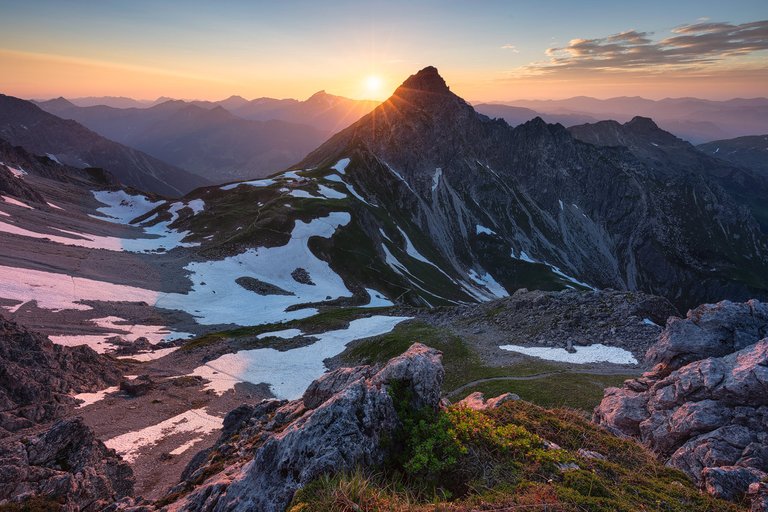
(427, 80)
(645, 123)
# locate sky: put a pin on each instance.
(487, 50)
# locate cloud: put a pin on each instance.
(510, 47)
(691, 47)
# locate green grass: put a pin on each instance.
(576, 390)
(501, 466)
(462, 365)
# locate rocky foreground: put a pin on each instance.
(38, 377)
(702, 410)
(704, 406)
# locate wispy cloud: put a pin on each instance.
(693, 47)
(511, 47)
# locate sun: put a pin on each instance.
(373, 85)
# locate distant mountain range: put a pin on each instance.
(207, 140)
(221, 141)
(750, 152)
(23, 123)
(692, 119)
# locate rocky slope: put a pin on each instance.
(64, 468)
(24, 124)
(37, 377)
(750, 151)
(671, 156)
(703, 407)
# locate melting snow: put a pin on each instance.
(53, 157)
(436, 178)
(482, 230)
(525, 257)
(377, 299)
(92, 398)
(561, 203)
(253, 183)
(193, 421)
(16, 171)
(341, 165)
(597, 353)
(488, 282)
(290, 372)
(16, 202)
(648, 321)
(223, 301)
(285, 334)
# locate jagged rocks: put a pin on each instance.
(278, 446)
(704, 406)
(65, 464)
(37, 376)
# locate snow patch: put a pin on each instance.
(289, 373)
(195, 421)
(597, 353)
(16, 202)
(436, 178)
(341, 165)
(482, 230)
(92, 398)
(253, 183)
(487, 281)
(377, 299)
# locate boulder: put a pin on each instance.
(66, 464)
(704, 405)
(139, 386)
(276, 447)
(478, 402)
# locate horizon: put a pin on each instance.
(495, 52)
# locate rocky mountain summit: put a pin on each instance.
(704, 405)
(38, 377)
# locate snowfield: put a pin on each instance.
(194, 421)
(289, 373)
(597, 353)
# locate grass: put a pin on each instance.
(462, 365)
(503, 467)
(577, 390)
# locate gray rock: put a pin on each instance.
(338, 424)
(704, 406)
(729, 482)
(37, 377)
(65, 463)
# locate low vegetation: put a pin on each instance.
(460, 460)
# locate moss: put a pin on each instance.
(507, 443)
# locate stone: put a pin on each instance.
(65, 463)
(278, 446)
(704, 406)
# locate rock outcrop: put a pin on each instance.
(65, 464)
(37, 376)
(276, 447)
(704, 405)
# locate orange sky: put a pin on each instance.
(491, 51)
